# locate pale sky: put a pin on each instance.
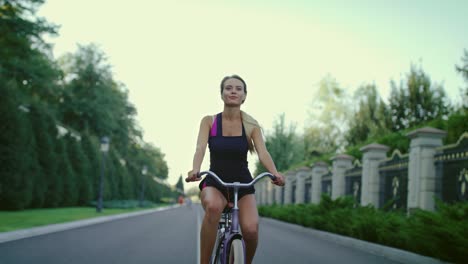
(172, 54)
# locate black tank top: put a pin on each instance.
(228, 155)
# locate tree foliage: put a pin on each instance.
(180, 184)
(15, 161)
(52, 115)
(463, 71)
(284, 145)
(371, 116)
(416, 100)
(328, 118)
(93, 101)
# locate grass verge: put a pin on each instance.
(14, 220)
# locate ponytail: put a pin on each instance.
(249, 124)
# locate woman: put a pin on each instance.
(230, 135)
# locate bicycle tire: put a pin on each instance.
(236, 252)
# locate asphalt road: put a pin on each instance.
(171, 236)
(279, 243)
(167, 236)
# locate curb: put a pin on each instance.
(42, 230)
(394, 254)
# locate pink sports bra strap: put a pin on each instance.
(214, 127)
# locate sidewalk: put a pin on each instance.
(42, 230)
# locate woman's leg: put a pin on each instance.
(248, 219)
(213, 202)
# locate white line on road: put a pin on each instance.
(198, 234)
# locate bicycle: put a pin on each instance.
(229, 245)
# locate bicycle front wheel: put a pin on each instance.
(236, 252)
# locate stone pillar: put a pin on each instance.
(318, 170)
(301, 176)
(264, 192)
(288, 192)
(271, 192)
(370, 189)
(278, 194)
(421, 168)
(258, 193)
(341, 163)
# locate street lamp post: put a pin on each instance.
(144, 170)
(104, 149)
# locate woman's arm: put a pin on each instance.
(265, 157)
(202, 141)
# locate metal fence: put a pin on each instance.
(307, 191)
(327, 183)
(452, 171)
(394, 181)
(353, 182)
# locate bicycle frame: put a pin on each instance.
(231, 230)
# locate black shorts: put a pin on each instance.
(227, 192)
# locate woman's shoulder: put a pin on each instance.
(209, 119)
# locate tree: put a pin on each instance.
(180, 184)
(93, 101)
(463, 70)
(81, 169)
(328, 118)
(65, 184)
(284, 146)
(370, 118)
(44, 128)
(17, 156)
(23, 51)
(416, 100)
(145, 154)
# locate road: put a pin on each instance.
(170, 236)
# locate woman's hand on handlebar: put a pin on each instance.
(279, 179)
(193, 176)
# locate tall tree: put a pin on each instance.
(45, 132)
(463, 70)
(284, 146)
(146, 154)
(416, 100)
(15, 162)
(81, 169)
(90, 148)
(328, 118)
(24, 53)
(66, 182)
(370, 117)
(180, 184)
(93, 101)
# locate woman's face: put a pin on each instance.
(233, 92)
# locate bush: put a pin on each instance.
(442, 234)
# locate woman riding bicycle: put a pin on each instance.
(230, 135)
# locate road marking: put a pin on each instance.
(198, 234)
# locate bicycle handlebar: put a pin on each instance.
(237, 184)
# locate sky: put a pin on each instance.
(172, 55)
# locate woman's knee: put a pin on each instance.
(213, 209)
(250, 231)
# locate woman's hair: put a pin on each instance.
(249, 122)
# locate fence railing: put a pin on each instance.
(452, 171)
(353, 181)
(394, 178)
(413, 180)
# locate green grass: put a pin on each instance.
(14, 220)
